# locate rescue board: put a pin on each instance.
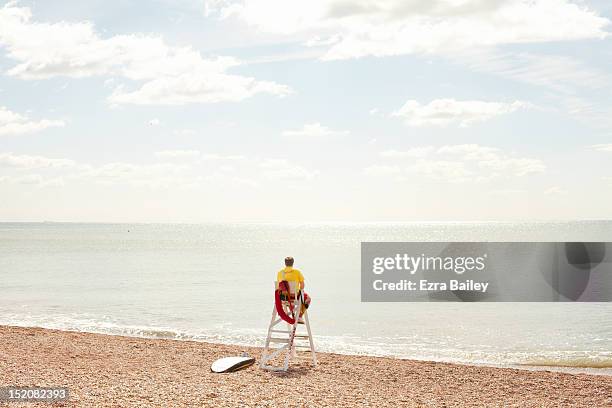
(229, 364)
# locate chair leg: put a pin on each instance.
(267, 345)
(312, 348)
(291, 349)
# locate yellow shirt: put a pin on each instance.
(291, 274)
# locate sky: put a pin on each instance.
(320, 111)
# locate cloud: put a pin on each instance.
(154, 122)
(382, 170)
(229, 157)
(410, 153)
(245, 182)
(34, 180)
(555, 191)
(184, 132)
(457, 164)
(12, 123)
(33, 162)
(515, 166)
(493, 160)
(573, 81)
(177, 154)
(196, 87)
(353, 29)
(282, 169)
(155, 175)
(28, 179)
(442, 170)
(446, 112)
(507, 192)
(603, 147)
(315, 130)
(171, 75)
(560, 73)
(173, 169)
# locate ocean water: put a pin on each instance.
(214, 282)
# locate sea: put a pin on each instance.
(215, 283)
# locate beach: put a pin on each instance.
(179, 281)
(117, 371)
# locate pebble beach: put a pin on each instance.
(115, 371)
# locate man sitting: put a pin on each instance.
(289, 273)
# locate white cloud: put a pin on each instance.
(34, 180)
(156, 175)
(382, 170)
(226, 168)
(196, 87)
(171, 75)
(32, 162)
(493, 160)
(557, 72)
(442, 170)
(245, 182)
(317, 41)
(410, 153)
(514, 166)
(177, 154)
(184, 132)
(445, 112)
(282, 169)
(12, 123)
(229, 157)
(555, 190)
(314, 130)
(470, 151)
(507, 192)
(572, 80)
(457, 163)
(174, 169)
(393, 27)
(154, 122)
(603, 147)
(28, 179)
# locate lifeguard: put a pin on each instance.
(289, 273)
(285, 275)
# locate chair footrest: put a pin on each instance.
(303, 336)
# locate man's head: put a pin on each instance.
(289, 261)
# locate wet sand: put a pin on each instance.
(115, 371)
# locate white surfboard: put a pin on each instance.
(229, 364)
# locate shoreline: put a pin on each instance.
(569, 369)
(112, 370)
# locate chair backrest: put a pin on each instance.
(293, 288)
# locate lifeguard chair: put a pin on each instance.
(288, 308)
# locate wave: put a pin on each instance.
(580, 362)
(84, 325)
(394, 347)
